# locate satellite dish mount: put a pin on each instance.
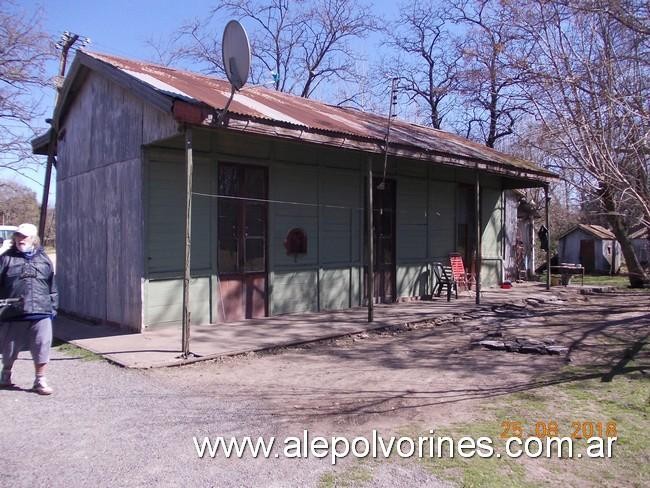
(236, 55)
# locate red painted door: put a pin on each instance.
(242, 249)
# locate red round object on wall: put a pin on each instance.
(296, 242)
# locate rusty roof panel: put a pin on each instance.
(597, 231)
(276, 107)
(643, 233)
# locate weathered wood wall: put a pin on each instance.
(100, 267)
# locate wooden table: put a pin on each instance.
(567, 270)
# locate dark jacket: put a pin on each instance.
(30, 278)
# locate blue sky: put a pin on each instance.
(119, 27)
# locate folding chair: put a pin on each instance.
(461, 276)
(444, 278)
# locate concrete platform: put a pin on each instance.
(161, 346)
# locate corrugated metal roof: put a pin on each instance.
(643, 233)
(273, 107)
(597, 231)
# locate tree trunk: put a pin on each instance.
(636, 272)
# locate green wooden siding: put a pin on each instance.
(326, 276)
(411, 221)
(294, 291)
(327, 202)
(166, 216)
(335, 288)
(442, 219)
(340, 234)
(492, 217)
(294, 185)
(164, 299)
(413, 280)
(411, 240)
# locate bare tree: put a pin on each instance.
(165, 50)
(18, 203)
(426, 61)
(24, 50)
(491, 80)
(633, 14)
(295, 46)
(591, 92)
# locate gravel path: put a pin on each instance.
(108, 426)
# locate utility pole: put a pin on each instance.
(68, 39)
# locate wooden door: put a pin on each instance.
(587, 255)
(384, 240)
(242, 248)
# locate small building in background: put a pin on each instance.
(641, 244)
(592, 246)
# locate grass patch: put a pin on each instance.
(477, 471)
(350, 476)
(574, 405)
(76, 352)
(618, 281)
(621, 282)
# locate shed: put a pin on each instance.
(278, 201)
(641, 243)
(593, 246)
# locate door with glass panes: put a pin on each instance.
(384, 202)
(242, 248)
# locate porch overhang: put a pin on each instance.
(514, 176)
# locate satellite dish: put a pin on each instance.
(236, 54)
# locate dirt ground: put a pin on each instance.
(434, 377)
(114, 426)
(430, 375)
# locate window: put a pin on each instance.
(242, 219)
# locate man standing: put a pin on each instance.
(27, 278)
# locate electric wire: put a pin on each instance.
(281, 202)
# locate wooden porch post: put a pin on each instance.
(370, 246)
(188, 243)
(547, 200)
(42, 221)
(531, 241)
(479, 254)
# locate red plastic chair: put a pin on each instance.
(461, 276)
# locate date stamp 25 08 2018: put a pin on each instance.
(576, 429)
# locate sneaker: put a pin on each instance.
(41, 387)
(5, 379)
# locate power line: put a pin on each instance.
(282, 202)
